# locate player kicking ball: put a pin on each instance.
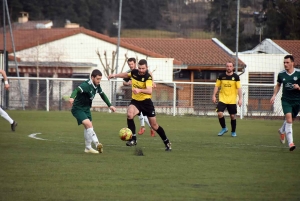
(141, 101)
(81, 99)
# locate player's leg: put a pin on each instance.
(92, 134)
(161, 132)
(142, 122)
(88, 143)
(232, 110)
(281, 132)
(149, 110)
(82, 117)
(13, 123)
(132, 111)
(289, 131)
(289, 112)
(152, 132)
(220, 110)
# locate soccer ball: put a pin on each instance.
(125, 134)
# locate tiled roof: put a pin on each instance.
(28, 38)
(192, 52)
(292, 47)
(55, 64)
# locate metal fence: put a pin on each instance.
(171, 98)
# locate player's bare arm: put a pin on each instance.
(214, 99)
(153, 83)
(118, 75)
(108, 103)
(148, 90)
(240, 101)
(112, 108)
(276, 90)
(296, 86)
(6, 85)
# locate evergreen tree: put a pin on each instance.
(283, 19)
(96, 19)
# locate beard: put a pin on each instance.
(229, 71)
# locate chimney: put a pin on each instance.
(24, 17)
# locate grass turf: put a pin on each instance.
(201, 166)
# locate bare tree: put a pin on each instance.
(108, 67)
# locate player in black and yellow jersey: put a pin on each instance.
(127, 82)
(230, 88)
(141, 82)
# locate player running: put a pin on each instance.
(141, 101)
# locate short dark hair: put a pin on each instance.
(131, 59)
(289, 57)
(143, 62)
(95, 73)
(229, 62)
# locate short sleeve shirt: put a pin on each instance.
(84, 99)
(140, 82)
(287, 81)
(229, 87)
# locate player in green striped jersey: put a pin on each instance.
(81, 99)
(290, 100)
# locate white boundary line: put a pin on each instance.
(33, 135)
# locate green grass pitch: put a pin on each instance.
(201, 166)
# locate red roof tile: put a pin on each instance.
(192, 52)
(27, 38)
(292, 47)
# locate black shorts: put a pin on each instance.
(232, 109)
(146, 107)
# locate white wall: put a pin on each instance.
(82, 48)
(261, 63)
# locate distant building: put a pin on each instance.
(196, 1)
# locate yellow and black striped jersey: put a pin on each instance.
(229, 87)
(140, 82)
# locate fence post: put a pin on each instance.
(59, 97)
(47, 95)
(242, 106)
(111, 94)
(174, 99)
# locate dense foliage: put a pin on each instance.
(277, 19)
(101, 16)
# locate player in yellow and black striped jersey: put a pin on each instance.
(127, 82)
(141, 82)
(230, 85)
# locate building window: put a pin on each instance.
(206, 76)
(259, 96)
(261, 92)
(182, 75)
